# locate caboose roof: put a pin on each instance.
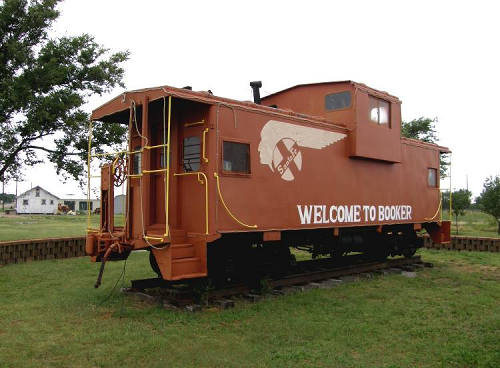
(357, 85)
(117, 110)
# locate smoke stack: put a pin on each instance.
(256, 93)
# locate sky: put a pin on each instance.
(441, 58)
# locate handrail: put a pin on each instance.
(167, 163)
(227, 209)
(438, 209)
(187, 125)
(199, 173)
(205, 131)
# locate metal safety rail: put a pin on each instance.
(129, 154)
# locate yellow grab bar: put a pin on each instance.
(227, 209)
(199, 173)
(153, 238)
(154, 171)
(205, 131)
(187, 125)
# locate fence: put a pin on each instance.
(39, 249)
(468, 243)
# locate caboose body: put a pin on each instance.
(217, 186)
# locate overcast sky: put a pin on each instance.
(440, 58)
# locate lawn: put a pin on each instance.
(448, 316)
(20, 227)
(474, 223)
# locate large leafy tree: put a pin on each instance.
(44, 82)
(424, 129)
(489, 199)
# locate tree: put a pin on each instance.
(44, 83)
(460, 201)
(424, 130)
(489, 199)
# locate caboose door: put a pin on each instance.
(190, 176)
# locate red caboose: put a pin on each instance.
(223, 187)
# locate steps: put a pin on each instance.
(183, 258)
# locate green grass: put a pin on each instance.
(449, 316)
(474, 223)
(21, 227)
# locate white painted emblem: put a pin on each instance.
(280, 144)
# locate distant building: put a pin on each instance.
(79, 204)
(120, 204)
(37, 200)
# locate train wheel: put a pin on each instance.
(154, 264)
(409, 252)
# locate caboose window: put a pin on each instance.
(432, 178)
(379, 111)
(236, 157)
(191, 154)
(136, 164)
(337, 101)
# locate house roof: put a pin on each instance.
(39, 187)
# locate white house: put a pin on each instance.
(37, 200)
(79, 204)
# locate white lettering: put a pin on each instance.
(332, 217)
(340, 213)
(366, 209)
(381, 213)
(373, 213)
(357, 211)
(408, 211)
(325, 219)
(317, 214)
(387, 213)
(393, 213)
(348, 214)
(403, 212)
(305, 216)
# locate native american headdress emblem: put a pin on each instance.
(280, 144)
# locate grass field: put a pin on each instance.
(20, 227)
(474, 223)
(448, 316)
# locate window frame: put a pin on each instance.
(344, 108)
(221, 162)
(181, 154)
(44, 202)
(378, 99)
(26, 202)
(436, 173)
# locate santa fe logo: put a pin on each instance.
(280, 144)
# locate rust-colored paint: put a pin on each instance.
(308, 167)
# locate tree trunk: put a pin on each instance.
(498, 227)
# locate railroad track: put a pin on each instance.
(307, 274)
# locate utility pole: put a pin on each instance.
(467, 181)
(3, 195)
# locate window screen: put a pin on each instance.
(25, 202)
(37, 193)
(379, 111)
(44, 201)
(432, 178)
(137, 161)
(236, 157)
(191, 154)
(337, 101)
